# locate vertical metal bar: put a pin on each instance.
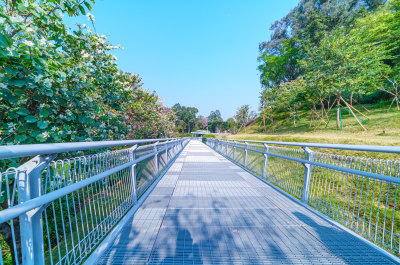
(245, 156)
(156, 159)
(132, 157)
(234, 151)
(264, 173)
(307, 174)
(31, 227)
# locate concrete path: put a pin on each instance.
(206, 210)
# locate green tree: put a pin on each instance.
(186, 117)
(215, 121)
(243, 116)
(345, 63)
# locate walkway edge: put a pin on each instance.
(386, 253)
(109, 239)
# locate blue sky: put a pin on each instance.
(198, 53)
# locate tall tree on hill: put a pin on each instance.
(243, 116)
(301, 30)
(344, 63)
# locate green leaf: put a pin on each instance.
(42, 125)
(83, 11)
(44, 113)
(88, 6)
(4, 40)
(49, 92)
(30, 119)
(21, 7)
(21, 138)
(19, 92)
(18, 82)
(23, 112)
(40, 138)
(35, 13)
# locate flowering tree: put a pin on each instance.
(203, 122)
(58, 85)
(146, 117)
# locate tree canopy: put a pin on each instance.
(323, 53)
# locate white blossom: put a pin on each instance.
(38, 78)
(69, 132)
(2, 20)
(47, 81)
(54, 128)
(84, 54)
(45, 134)
(3, 86)
(11, 125)
(90, 16)
(42, 41)
(16, 19)
(28, 43)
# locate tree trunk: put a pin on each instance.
(338, 109)
(351, 98)
(338, 117)
(264, 122)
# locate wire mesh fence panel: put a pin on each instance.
(288, 175)
(255, 162)
(76, 201)
(369, 206)
(230, 151)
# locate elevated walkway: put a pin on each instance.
(207, 210)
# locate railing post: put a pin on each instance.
(226, 147)
(31, 224)
(245, 156)
(307, 174)
(166, 153)
(234, 151)
(264, 174)
(132, 157)
(156, 158)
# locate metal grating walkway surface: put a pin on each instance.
(206, 210)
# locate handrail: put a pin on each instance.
(75, 202)
(338, 168)
(366, 148)
(13, 151)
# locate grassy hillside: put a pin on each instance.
(383, 128)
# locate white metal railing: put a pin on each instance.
(362, 194)
(63, 199)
